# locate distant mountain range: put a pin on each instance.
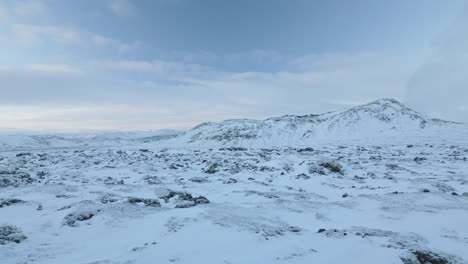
(25, 140)
(384, 120)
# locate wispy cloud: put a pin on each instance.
(168, 69)
(192, 93)
(123, 8)
(29, 7)
(53, 68)
(28, 34)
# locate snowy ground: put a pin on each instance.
(329, 204)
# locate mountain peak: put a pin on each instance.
(387, 102)
(386, 106)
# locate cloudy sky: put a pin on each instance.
(150, 64)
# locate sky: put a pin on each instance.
(153, 64)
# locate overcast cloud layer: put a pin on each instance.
(123, 64)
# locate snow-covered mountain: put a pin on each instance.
(384, 119)
(25, 140)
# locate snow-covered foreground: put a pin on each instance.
(330, 204)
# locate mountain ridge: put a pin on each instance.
(383, 118)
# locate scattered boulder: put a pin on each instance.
(392, 166)
(152, 180)
(305, 150)
(113, 181)
(14, 178)
(332, 166)
(230, 181)
(146, 202)
(108, 198)
(419, 159)
(184, 200)
(294, 229)
(234, 149)
(198, 179)
(9, 202)
(11, 234)
(317, 170)
(201, 200)
(303, 176)
(212, 168)
(41, 174)
(23, 154)
(73, 219)
(424, 257)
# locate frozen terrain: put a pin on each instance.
(379, 183)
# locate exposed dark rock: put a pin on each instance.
(185, 200)
(392, 166)
(113, 181)
(146, 202)
(294, 229)
(230, 181)
(152, 180)
(23, 154)
(317, 170)
(11, 234)
(73, 219)
(198, 179)
(303, 176)
(108, 198)
(332, 166)
(201, 200)
(41, 174)
(419, 159)
(14, 178)
(305, 150)
(212, 168)
(180, 195)
(424, 257)
(63, 196)
(234, 149)
(173, 167)
(9, 202)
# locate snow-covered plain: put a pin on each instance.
(395, 197)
